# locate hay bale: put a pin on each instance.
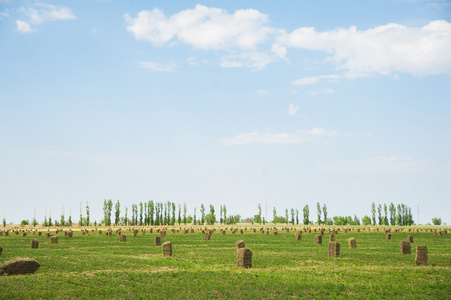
(410, 239)
(207, 236)
(100, 231)
(24, 234)
(239, 245)
(162, 233)
(241, 231)
(334, 249)
(167, 249)
(388, 236)
(275, 232)
(53, 240)
(352, 243)
(157, 241)
(39, 233)
(318, 239)
(47, 234)
(332, 238)
(1, 251)
(34, 244)
(405, 247)
(20, 266)
(70, 234)
(421, 257)
(122, 238)
(244, 258)
(298, 235)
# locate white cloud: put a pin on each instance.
(298, 137)
(292, 110)
(24, 27)
(157, 67)
(191, 61)
(326, 91)
(202, 27)
(315, 79)
(41, 13)
(253, 60)
(4, 14)
(380, 50)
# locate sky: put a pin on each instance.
(236, 103)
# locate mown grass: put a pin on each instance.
(97, 266)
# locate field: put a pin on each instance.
(97, 266)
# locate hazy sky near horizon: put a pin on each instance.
(282, 103)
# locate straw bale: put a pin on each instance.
(421, 257)
(239, 244)
(19, 266)
(24, 234)
(1, 251)
(167, 249)
(207, 236)
(410, 239)
(53, 240)
(388, 236)
(332, 238)
(275, 232)
(334, 249)
(162, 233)
(244, 258)
(298, 235)
(318, 239)
(157, 241)
(241, 231)
(47, 234)
(405, 247)
(34, 244)
(352, 243)
(39, 233)
(122, 238)
(100, 231)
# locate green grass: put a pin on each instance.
(97, 266)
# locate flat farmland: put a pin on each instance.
(99, 266)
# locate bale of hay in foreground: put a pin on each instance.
(1, 251)
(34, 244)
(334, 249)
(244, 258)
(298, 235)
(53, 240)
(352, 243)
(239, 245)
(405, 247)
(157, 241)
(318, 239)
(19, 266)
(410, 239)
(388, 236)
(332, 238)
(122, 238)
(167, 249)
(422, 255)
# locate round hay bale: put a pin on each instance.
(421, 257)
(167, 248)
(244, 258)
(20, 266)
(352, 243)
(34, 244)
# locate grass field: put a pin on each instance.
(98, 266)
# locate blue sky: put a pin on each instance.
(284, 103)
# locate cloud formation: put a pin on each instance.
(41, 13)
(298, 137)
(292, 110)
(383, 50)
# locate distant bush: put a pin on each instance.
(24, 222)
(437, 221)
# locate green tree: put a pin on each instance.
(202, 214)
(62, 218)
(179, 220)
(259, 218)
(286, 215)
(385, 215)
(211, 220)
(80, 223)
(70, 220)
(87, 213)
(325, 213)
(140, 213)
(318, 206)
(150, 207)
(366, 220)
(297, 216)
(4, 222)
(437, 221)
(117, 213)
(373, 212)
(292, 216)
(392, 211)
(224, 211)
(379, 213)
(399, 221)
(184, 213)
(194, 221)
(220, 215)
(306, 212)
(173, 213)
(274, 216)
(125, 219)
